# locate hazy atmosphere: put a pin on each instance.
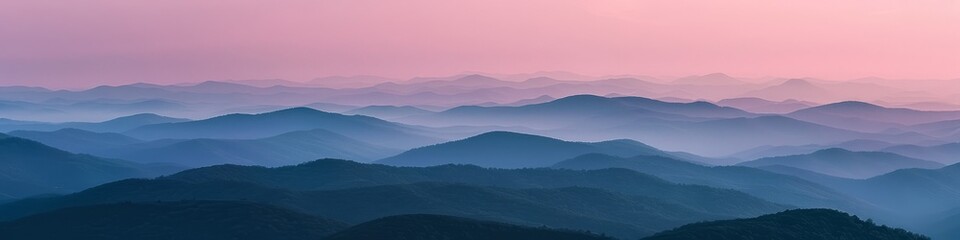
(478, 120)
(91, 42)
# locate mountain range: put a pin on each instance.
(253, 126)
(784, 189)
(844, 163)
(617, 202)
(513, 150)
(549, 155)
(30, 168)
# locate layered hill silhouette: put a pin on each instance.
(861, 116)
(571, 208)
(774, 187)
(793, 89)
(284, 149)
(910, 192)
(801, 224)
(389, 112)
(859, 145)
(337, 174)
(427, 226)
(844, 163)
(949, 129)
(615, 201)
(945, 153)
(171, 220)
(120, 124)
(29, 168)
(709, 79)
(759, 105)
(945, 226)
(513, 150)
(252, 126)
(77, 140)
(728, 136)
(574, 109)
(698, 127)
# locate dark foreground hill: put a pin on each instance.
(617, 202)
(184, 220)
(569, 208)
(801, 224)
(340, 174)
(426, 226)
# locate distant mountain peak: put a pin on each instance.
(477, 78)
(833, 151)
(213, 83)
(296, 110)
(539, 79)
(849, 105)
(146, 118)
(503, 135)
(797, 82)
(718, 75)
(709, 79)
(581, 97)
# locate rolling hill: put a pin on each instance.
(389, 112)
(513, 150)
(569, 208)
(339, 174)
(843, 163)
(793, 89)
(171, 220)
(253, 126)
(78, 141)
(575, 109)
(728, 136)
(426, 226)
(115, 125)
(784, 189)
(284, 149)
(801, 224)
(759, 105)
(29, 168)
(913, 193)
(945, 153)
(614, 201)
(866, 117)
(913, 190)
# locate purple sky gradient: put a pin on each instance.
(90, 42)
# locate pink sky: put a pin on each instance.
(88, 42)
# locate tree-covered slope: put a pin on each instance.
(427, 226)
(801, 224)
(182, 220)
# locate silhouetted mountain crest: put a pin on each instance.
(845, 163)
(171, 220)
(513, 150)
(253, 126)
(801, 224)
(427, 226)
